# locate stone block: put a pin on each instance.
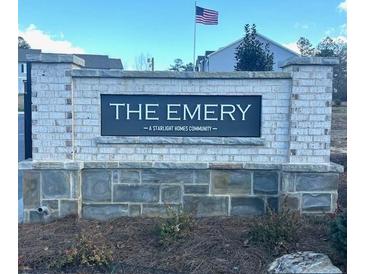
(55, 184)
(206, 205)
(96, 185)
(247, 206)
(99, 165)
(311, 168)
(177, 165)
(167, 176)
(31, 189)
(289, 202)
(231, 182)
(225, 166)
(68, 207)
(267, 166)
(265, 182)
(316, 181)
(115, 176)
(273, 203)
(134, 164)
(136, 193)
(75, 184)
(316, 202)
(35, 217)
(196, 189)
(104, 212)
(134, 210)
(129, 176)
(151, 210)
(52, 205)
(334, 201)
(171, 194)
(288, 182)
(202, 176)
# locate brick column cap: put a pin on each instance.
(322, 61)
(55, 58)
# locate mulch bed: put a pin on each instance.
(215, 245)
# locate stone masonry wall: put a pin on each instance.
(58, 190)
(75, 170)
(106, 190)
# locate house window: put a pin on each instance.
(22, 68)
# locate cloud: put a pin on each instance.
(38, 39)
(338, 33)
(293, 46)
(343, 6)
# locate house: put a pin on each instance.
(223, 59)
(92, 61)
(22, 67)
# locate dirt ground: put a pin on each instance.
(215, 245)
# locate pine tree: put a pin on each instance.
(305, 47)
(251, 54)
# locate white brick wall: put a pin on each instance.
(275, 110)
(310, 120)
(51, 110)
(296, 116)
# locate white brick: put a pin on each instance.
(308, 113)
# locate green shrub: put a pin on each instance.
(86, 253)
(338, 230)
(275, 230)
(176, 226)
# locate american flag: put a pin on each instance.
(206, 16)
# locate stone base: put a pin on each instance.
(105, 190)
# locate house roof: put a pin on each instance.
(92, 61)
(22, 53)
(208, 52)
(115, 63)
(100, 61)
(259, 35)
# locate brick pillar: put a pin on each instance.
(52, 105)
(310, 108)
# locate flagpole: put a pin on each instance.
(194, 36)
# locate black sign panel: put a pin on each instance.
(181, 115)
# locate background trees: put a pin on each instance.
(180, 66)
(22, 43)
(329, 47)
